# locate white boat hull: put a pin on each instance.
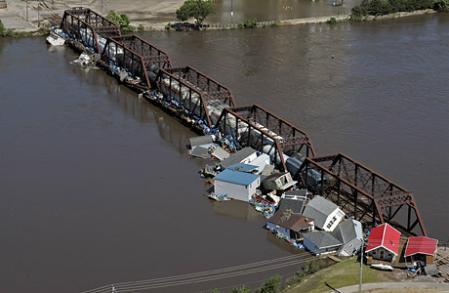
(382, 267)
(55, 40)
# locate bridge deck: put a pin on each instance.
(197, 98)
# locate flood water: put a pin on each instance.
(227, 12)
(96, 185)
(238, 11)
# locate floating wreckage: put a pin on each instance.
(57, 37)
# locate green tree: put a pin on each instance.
(198, 9)
(272, 285)
(382, 7)
(183, 13)
(242, 289)
(120, 20)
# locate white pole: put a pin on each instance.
(38, 14)
(361, 267)
(26, 10)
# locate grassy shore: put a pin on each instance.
(342, 274)
(22, 34)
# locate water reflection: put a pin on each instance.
(2, 46)
(168, 127)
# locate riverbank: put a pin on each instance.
(398, 15)
(26, 18)
(10, 33)
(332, 19)
(31, 23)
(345, 277)
(339, 275)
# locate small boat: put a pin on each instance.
(218, 197)
(260, 208)
(268, 213)
(382, 267)
(84, 59)
(55, 40)
(132, 80)
(298, 245)
(56, 37)
(261, 200)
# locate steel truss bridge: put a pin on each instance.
(207, 106)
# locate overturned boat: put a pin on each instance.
(56, 37)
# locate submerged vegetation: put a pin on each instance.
(384, 7)
(249, 23)
(332, 21)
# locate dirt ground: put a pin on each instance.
(150, 13)
(404, 290)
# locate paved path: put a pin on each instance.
(441, 287)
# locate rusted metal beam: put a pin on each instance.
(87, 27)
(213, 89)
(150, 53)
(266, 132)
(384, 192)
(197, 96)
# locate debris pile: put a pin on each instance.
(297, 215)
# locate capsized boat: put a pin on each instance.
(56, 37)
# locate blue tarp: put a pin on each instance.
(236, 177)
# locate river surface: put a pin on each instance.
(96, 185)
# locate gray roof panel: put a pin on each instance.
(200, 140)
(237, 157)
(348, 230)
(296, 205)
(318, 216)
(323, 205)
(322, 239)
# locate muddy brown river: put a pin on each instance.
(96, 186)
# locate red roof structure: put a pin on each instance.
(421, 245)
(384, 236)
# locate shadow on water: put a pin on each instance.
(2, 45)
(127, 101)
